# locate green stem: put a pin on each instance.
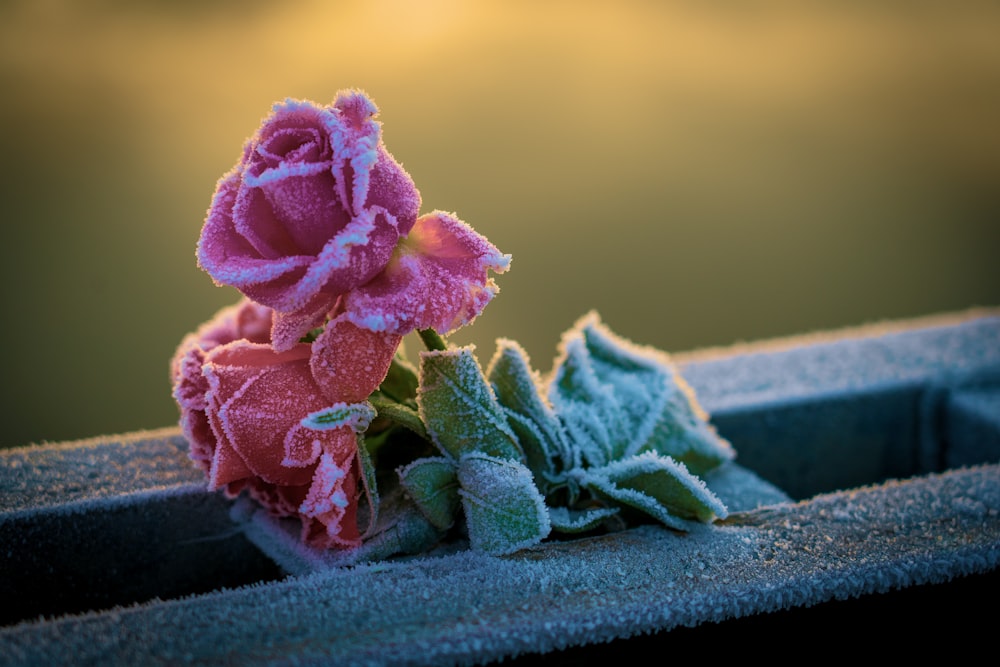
(432, 339)
(400, 414)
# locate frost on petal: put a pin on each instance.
(438, 278)
(329, 511)
(190, 385)
(391, 188)
(349, 362)
(302, 447)
(354, 136)
(227, 256)
(201, 440)
(459, 408)
(255, 417)
(504, 511)
(351, 258)
(288, 328)
(227, 467)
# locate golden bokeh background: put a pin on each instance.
(699, 173)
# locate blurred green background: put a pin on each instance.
(699, 173)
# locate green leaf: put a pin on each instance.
(658, 486)
(401, 529)
(637, 394)
(594, 418)
(432, 484)
(565, 520)
(459, 408)
(400, 383)
(369, 485)
(356, 415)
(684, 433)
(518, 390)
(504, 511)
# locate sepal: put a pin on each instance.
(357, 416)
(432, 484)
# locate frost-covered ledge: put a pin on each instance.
(885, 439)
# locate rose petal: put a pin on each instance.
(227, 256)
(437, 279)
(329, 512)
(201, 440)
(257, 418)
(227, 467)
(356, 254)
(289, 328)
(354, 137)
(190, 385)
(267, 236)
(302, 447)
(253, 322)
(277, 500)
(349, 362)
(390, 188)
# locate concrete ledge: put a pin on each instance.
(887, 444)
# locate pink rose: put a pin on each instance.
(313, 209)
(243, 405)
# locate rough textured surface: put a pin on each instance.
(911, 415)
(40, 476)
(468, 608)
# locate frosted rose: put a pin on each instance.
(244, 320)
(313, 209)
(243, 404)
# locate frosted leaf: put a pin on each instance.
(658, 486)
(504, 511)
(640, 378)
(588, 433)
(401, 529)
(432, 484)
(518, 390)
(658, 409)
(593, 416)
(565, 520)
(459, 408)
(684, 434)
(355, 415)
(369, 485)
